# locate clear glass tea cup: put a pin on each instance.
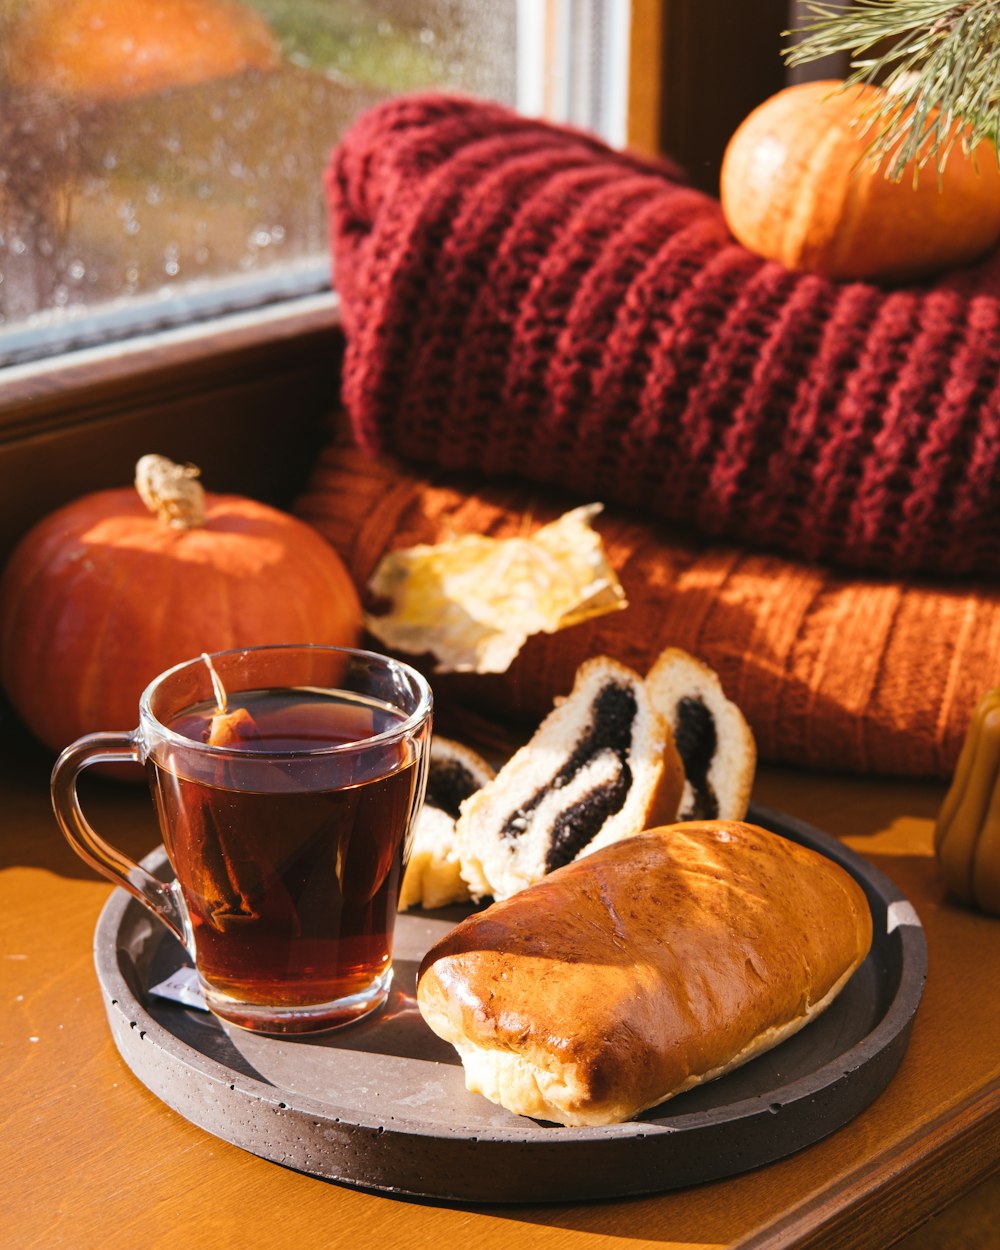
(285, 815)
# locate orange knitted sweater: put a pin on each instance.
(856, 674)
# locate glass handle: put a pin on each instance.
(161, 897)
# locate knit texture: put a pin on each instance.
(520, 300)
(854, 674)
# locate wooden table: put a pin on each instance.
(89, 1157)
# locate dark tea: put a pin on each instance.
(290, 865)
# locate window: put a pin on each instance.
(164, 159)
(164, 273)
(161, 161)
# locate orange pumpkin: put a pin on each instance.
(793, 190)
(105, 593)
(119, 49)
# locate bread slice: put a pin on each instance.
(650, 966)
(433, 877)
(713, 738)
(600, 767)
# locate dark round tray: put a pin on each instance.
(383, 1104)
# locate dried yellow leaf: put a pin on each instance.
(472, 601)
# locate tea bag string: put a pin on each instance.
(221, 698)
(233, 888)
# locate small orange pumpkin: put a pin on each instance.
(110, 590)
(796, 188)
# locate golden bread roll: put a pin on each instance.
(650, 966)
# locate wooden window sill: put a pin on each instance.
(247, 398)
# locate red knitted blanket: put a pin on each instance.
(520, 300)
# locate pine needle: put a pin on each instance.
(938, 62)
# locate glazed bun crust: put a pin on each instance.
(643, 969)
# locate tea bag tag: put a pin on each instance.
(227, 728)
(183, 987)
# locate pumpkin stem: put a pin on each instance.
(171, 492)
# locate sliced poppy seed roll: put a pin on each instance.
(432, 877)
(602, 766)
(713, 738)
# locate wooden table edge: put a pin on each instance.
(884, 1199)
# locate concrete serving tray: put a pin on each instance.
(383, 1104)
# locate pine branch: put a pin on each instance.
(942, 67)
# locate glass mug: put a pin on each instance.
(287, 839)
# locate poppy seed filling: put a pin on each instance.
(696, 740)
(611, 726)
(449, 783)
